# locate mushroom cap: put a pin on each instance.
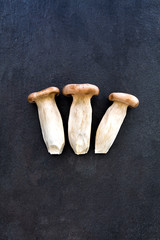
(80, 89)
(126, 98)
(43, 93)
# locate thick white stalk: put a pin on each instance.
(79, 125)
(51, 124)
(110, 126)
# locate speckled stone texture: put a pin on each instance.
(115, 45)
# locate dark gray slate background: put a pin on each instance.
(115, 45)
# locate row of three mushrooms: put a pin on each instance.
(80, 118)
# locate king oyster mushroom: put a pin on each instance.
(50, 119)
(80, 117)
(112, 120)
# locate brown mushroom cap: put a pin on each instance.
(126, 98)
(35, 95)
(80, 89)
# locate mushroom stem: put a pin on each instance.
(79, 125)
(110, 126)
(51, 124)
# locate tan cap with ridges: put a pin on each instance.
(43, 93)
(126, 98)
(80, 89)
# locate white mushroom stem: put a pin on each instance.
(79, 125)
(110, 126)
(51, 124)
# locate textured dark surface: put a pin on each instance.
(115, 45)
